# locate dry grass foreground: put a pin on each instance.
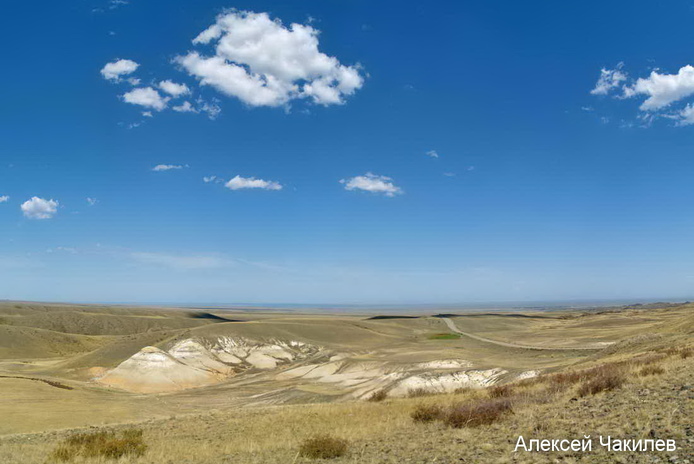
(642, 395)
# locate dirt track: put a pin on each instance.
(451, 325)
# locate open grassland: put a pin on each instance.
(636, 381)
(464, 427)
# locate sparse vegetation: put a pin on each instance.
(378, 396)
(106, 444)
(421, 427)
(646, 359)
(651, 370)
(501, 391)
(605, 379)
(427, 413)
(52, 383)
(444, 336)
(323, 447)
(476, 414)
(418, 392)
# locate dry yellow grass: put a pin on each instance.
(209, 425)
(385, 431)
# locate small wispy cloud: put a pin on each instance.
(609, 80)
(238, 183)
(113, 4)
(373, 183)
(168, 167)
(146, 97)
(70, 250)
(4, 198)
(174, 89)
(92, 201)
(115, 70)
(432, 154)
(179, 261)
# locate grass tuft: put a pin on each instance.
(106, 444)
(651, 370)
(501, 391)
(427, 413)
(323, 447)
(477, 414)
(418, 392)
(378, 396)
(605, 378)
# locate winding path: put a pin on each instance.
(451, 325)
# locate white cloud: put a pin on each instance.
(432, 154)
(147, 97)
(92, 201)
(180, 262)
(115, 70)
(663, 89)
(174, 89)
(372, 183)
(72, 251)
(147, 114)
(239, 182)
(609, 80)
(4, 198)
(185, 107)
(212, 109)
(167, 167)
(208, 179)
(39, 208)
(263, 63)
(685, 116)
(113, 4)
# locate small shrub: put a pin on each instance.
(462, 390)
(63, 453)
(651, 370)
(532, 381)
(427, 413)
(647, 359)
(378, 396)
(323, 447)
(686, 353)
(565, 379)
(501, 391)
(477, 414)
(107, 444)
(604, 381)
(418, 392)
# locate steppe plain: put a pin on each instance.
(250, 386)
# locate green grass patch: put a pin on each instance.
(444, 336)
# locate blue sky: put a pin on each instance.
(355, 152)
